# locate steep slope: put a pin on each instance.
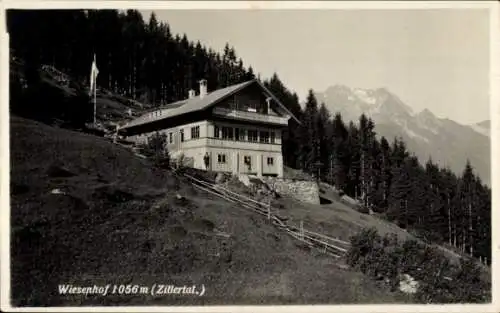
(447, 142)
(85, 211)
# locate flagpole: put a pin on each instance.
(94, 79)
(95, 105)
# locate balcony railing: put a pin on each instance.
(251, 116)
(226, 143)
(244, 145)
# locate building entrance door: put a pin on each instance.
(248, 163)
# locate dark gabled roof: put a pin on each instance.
(197, 104)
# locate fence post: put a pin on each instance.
(269, 209)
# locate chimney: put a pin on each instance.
(191, 94)
(203, 88)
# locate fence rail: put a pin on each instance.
(326, 244)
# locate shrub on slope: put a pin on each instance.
(440, 281)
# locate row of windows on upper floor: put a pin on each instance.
(195, 133)
(242, 134)
(230, 133)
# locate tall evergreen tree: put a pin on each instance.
(354, 161)
(310, 144)
(324, 135)
(340, 156)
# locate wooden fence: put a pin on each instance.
(326, 244)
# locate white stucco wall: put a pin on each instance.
(234, 160)
(234, 150)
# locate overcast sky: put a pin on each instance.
(435, 59)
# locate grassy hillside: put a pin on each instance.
(117, 220)
(340, 220)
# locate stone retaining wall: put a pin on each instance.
(302, 190)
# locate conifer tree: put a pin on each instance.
(340, 155)
(354, 163)
(309, 134)
(324, 140)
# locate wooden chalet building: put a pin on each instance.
(236, 129)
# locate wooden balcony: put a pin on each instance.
(251, 116)
(226, 144)
(243, 145)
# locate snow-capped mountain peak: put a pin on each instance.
(365, 95)
(352, 102)
(448, 142)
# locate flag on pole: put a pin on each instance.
(93, 86)
(93, 77)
